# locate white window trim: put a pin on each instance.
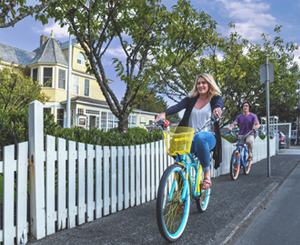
(81, 59)
(84, 87)
(31, 73)
(78, 85)
(42, 80)
(57, 78)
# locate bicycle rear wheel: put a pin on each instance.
(203, 200)
(172, 204)
(234, 165)
(247, 166)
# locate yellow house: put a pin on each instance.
(48, 64)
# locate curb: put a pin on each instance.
(239, 224)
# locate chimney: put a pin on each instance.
(43, 39)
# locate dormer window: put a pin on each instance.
(81, 60)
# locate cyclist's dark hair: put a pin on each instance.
(247, 103)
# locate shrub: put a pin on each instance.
(14, 130)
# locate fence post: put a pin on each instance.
(36, 158)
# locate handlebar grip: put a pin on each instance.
(166, 123)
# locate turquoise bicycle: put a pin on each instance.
(239, 157)
(180, 183)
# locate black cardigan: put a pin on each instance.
(188, 103)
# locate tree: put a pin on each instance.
(226, 70)
(10, 8)
(157, 104)
(17, 91)
(238, 75)
(153, 103)
(155, 41)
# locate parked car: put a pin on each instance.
(282, 138)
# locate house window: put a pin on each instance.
(60, 117)
(80, 111)
(75, 85)
(47, 77)
(62, 79)
(35, 74)
(86, 87)
(81, 60)
(132, 121)
(103, 120)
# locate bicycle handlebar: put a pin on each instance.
(212, 119)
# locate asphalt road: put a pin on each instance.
(232, 208)
(278, 223)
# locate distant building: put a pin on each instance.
(89, 108)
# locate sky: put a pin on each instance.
(251, 17)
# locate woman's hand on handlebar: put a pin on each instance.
(217, 113)
(160, 116)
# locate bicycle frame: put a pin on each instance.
(189, 163)
(239, 149)
(188, 167)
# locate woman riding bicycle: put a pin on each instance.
(203, 102)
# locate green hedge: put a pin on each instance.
(14, 129)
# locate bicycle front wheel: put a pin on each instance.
(203, 200)
(247, 165)
(234, 165)
(173, 203)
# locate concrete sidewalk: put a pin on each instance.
(233, 206)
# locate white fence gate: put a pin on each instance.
(71, 184)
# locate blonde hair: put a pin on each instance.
(213, 87)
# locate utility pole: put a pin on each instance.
(68, 121)
(268, 118)
(267, 76)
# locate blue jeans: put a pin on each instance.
(203, 143)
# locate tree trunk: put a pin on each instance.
(123, 124)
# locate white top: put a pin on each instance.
(199, 117)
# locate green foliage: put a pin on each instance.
(230, 138)
(134, 136)
(237, 73)
(153, 103)
(13, 126)
(154, 42)
(17, 91)
(14, 130)
(14, 11)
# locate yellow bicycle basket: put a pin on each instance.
(178, 140)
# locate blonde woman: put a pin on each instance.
(204, 101)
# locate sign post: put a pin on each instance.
(267, 76)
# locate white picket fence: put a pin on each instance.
(8, 167)
(71, 184)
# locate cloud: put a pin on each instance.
(117, 52)
(220, 56)
(251, 17)
(297, 56)
(57, 30)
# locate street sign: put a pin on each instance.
(263, 73)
